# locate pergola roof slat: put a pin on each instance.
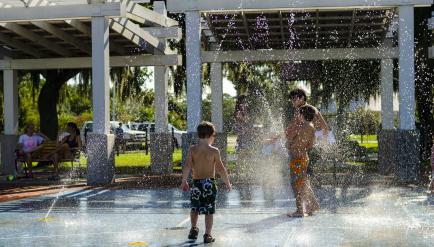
(63, 35)
(36, 38)
(326, 28)
(21, 46)
(143, 15)
(137, 35)
(6, 53)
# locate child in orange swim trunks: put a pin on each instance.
(300, 139)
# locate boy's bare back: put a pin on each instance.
(203, 160)
(301, 140)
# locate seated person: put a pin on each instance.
(30, 146)
(66, 148)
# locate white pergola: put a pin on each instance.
(97, 34)
(283, 30)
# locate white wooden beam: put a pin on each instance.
(164, 32)
(59, 33)
(303, 54)
(129, 35)
(86, 30)
(143, 15)
(237, 5)
(36, 3)
(18, 29)
(86, 62)
(134, 33)
(80, 26)
(61, 12)
(20, 46)
(6, 53)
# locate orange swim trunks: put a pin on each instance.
(298, 170)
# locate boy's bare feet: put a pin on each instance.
(296, 214)
(312, 209)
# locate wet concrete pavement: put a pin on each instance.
(376, 215)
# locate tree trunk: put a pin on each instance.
(48, 100)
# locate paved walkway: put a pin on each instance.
(376, 215)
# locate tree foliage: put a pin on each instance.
(363, 122)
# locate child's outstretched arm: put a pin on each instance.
(186, 172)
(221, 170)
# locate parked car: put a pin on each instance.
(149, 127)
(131, 137)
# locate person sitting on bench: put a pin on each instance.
(66, 148)
(30, 146)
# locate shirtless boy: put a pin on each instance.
(204, 161)
(301, 138)
(298, 99)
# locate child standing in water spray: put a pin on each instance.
(300, 139)
(204, 161)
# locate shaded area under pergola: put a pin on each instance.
(97, 34)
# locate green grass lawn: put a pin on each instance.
(369, 141)
(231, 149)
(366, 138)
(133, 159)
(140, 160)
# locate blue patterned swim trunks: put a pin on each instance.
(202, 195)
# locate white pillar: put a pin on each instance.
(406, 68)
(114, 101)
(10, 95)
(217, 96)
(387, 122)
(100, 75)
(161, 78)
(194, 87)
(101, 165)
(161, 99)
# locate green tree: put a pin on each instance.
(362, 122)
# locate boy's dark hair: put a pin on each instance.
(308, 112)
(299, 93)
(205, 130)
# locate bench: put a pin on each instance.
(48, 147)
